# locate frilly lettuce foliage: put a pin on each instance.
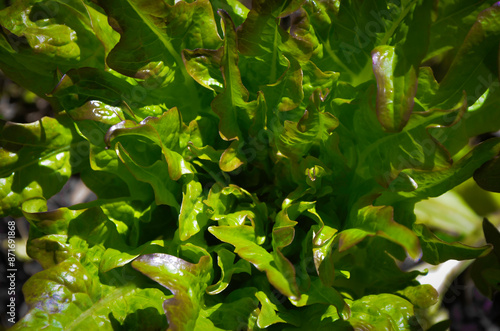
(255, 168)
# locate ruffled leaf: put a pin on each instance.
(187, 282)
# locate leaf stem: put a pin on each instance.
(395, 24)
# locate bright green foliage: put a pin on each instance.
(255, 167)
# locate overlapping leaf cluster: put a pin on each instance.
(254, 167)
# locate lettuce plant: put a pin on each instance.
(255, 167)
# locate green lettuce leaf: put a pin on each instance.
(80, 301)
(186, 281)
(243, 238)
(36, 160)
(61, 35)
(257, 164)
(77, 242)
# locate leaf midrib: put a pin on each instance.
(396, 23)
(451, 15)
(168, 45)
(6, 173)
(102, 303)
